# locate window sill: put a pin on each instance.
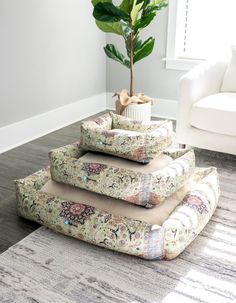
(181, 64)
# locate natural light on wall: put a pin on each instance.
(201, 29)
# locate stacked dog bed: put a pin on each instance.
(121, 188)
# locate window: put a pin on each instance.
(199, 29)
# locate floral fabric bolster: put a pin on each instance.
(195, 211)
(119, 136)
(145, 189)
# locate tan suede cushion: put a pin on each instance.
(157, 163)
(156, 215)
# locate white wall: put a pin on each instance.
(51, 54)
(151, 76)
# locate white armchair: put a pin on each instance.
(206, 116)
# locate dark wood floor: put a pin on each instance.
(30, 157)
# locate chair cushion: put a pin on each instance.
(116, 135)
(215, 113)
(229, 81)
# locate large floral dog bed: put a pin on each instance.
(119, 136)
(145, 185)
(163, 231)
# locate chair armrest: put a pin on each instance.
(202, 81)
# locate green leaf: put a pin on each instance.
(126, 6)
(127, 47)
(121, 28)
(113, 53)
(95, 2)
(135, 11)
(127, 30)
(136, 44)
(145, 3)
(144, 21)
(111, 27)
(144, 50)
(156, 5)
(108, 12)
(139, 1)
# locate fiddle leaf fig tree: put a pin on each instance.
(127, 20)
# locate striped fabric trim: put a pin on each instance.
(144, 195)
(154, 243)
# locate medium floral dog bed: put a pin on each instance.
(145, 185)
(49, 203)
(119, 136)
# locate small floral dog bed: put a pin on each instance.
(145, 185)
(121, 233)
(119, 136)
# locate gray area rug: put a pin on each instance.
(47, 267)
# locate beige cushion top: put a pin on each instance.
(157, 163)
(156, 215)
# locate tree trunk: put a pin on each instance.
(131, 66)
(131, 44)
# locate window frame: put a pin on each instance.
(171, 59)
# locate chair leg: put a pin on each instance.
(182, 146)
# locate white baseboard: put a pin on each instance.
(27, 130)
(162, 108)
(30, 129)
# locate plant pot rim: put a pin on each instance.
(139, 104)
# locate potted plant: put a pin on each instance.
(127, 20)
